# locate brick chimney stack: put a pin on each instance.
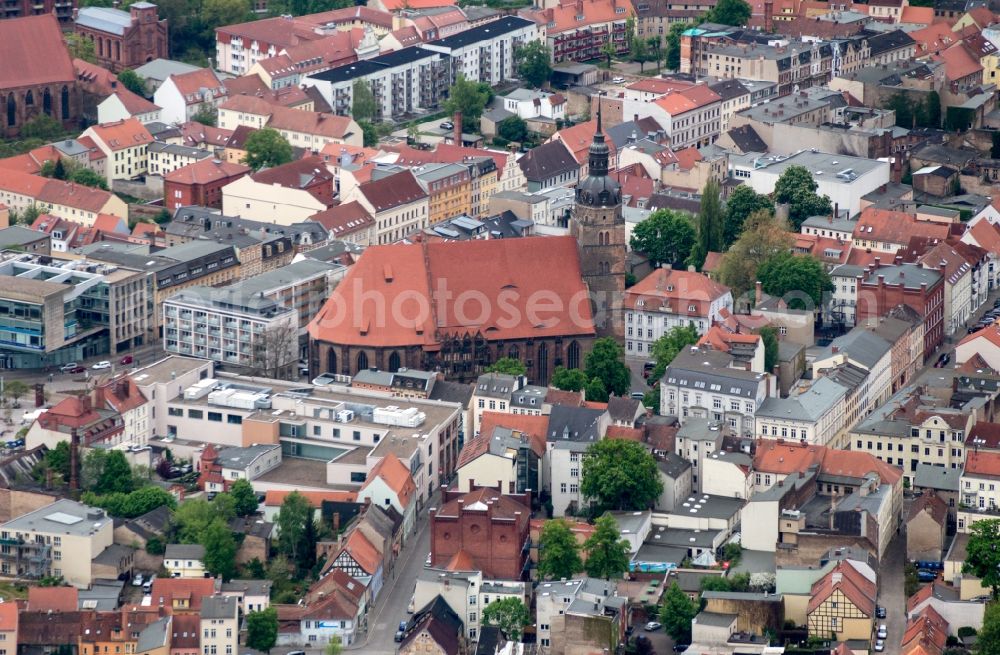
(74, 463)
(458, 128)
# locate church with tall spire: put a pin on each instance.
(599, 227)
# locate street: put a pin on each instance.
(891, 591)
(390, 606)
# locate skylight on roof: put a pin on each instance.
(64, 518)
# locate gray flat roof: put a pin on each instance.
(105, 19)
(942, 478)
(811, 404)
(715, 619)
(826, 165)
(167, 369)
(63, 516)
(242, 457)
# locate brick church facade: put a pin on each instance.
(124, 39)
(36, 74)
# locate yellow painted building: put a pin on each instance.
(449, 190)
(842, 605)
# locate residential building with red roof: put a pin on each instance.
(200, 184)
(285, 194)
(926, 633)
(349, 222)
(37, 73)
(302, 129)
(336, 614)
(962, 68)
(93, 425)
(883, 287)
(68, 200)
(842, 603)
(182, 596)
(926, 526)
(487, 527)
(502, 455)
(575, 29)
(238, 47)
(398, 203)
(886, 230)
(389, 484)
(124, 104)
(9, 611)
(665, 299)
(957, 274)
(692, 116)
(977, 489)
(126, 145)
(360, 559)
(120, 394)
(347, 344)
(183, 96)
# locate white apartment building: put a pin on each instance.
(59, 539)
(486, 53)
(692, 117)
(666, 299)
(844, 303)
(466, 593)
(814, 414)
(695, 441)
(571, 431)
(701, 383)
(220, 625)
(397, 202)
(125, 144)
(167, 157)
(957, 285)
(979, 488)
(869, 352)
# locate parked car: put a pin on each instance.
(942, 361)
(924, 575)
(401, 631)
(447, 125)
(427, 562)
(618, 80)
(653, 626)
(879, 612)
(137, 582)
(126, 360)
(879, 646)
(680, 648)
(69, 368)
(883, 633)
(100, 366)
(78, 369)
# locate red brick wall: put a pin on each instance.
(876, 298)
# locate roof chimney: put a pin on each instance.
(458, 128)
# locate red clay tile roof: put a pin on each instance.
(925, 634)
(982, 16)
(786, 457)
(196, 134)
(917, 15)
(396, 5)
(412, 271)
(123, 134)
(533, 427)
(8, 616)
(501, 506)
(392, 191)
(933, 39)
(134, 103)
(461, 561)
(33, 53)
(566, 17)
(559, 397)
(396, 476)
(723, 339)
(336, 581)
(94, 78)
(191, 84)
(857, 588)
(344, 219)
(185, 628)
(122, 394)
(990, 333)
(407, 36)
(887, 226)
(275, 497)
(55, 599)
(362, 551)
(350, 15)
(624, 432)
(984, 464)
(657, 85)
(578, 139)
(300, 174)
(932, 504)
(191, 589)
(959, 63)
(206, 171)
(279, 32)
(674, 292)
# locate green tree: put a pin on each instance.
(87, 177)
(665, 236)
(58, 169)
(604, 361)
(620, 475)
(988, 639)
(222, 12)
(193, 517)
(568, 379)
(42, 127)
(468, 97)
(507, 366)
(244, 497)
(155, 546)
(558, 551)
(764, 236)
(607, 552)
(116, 474)
(58, 459)
(80, 47)
(640, 52)
(742, 202)
(729, 12)
(334, 647)
(206, 115)
(769, 336)
(262, 629)
(711, 225)
(15, 390)
(651, 399)
(534, 63)
(295, 514)
(513, 128)
(669, 345)
(595, 391)
(673, 54)
(363, 106)
(983, 557)
(369, 134)
(509, 614)
(676, 614)
(220, 549)
(133, 81)
(266, 148)
(608, 51)
(800, 279)
(797, 187)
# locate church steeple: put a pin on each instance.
(599, 152)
